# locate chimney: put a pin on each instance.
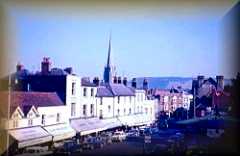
(69, 70)
(115, 79)
(220, 82)
(19, 67)
(45, 68)
(119, 80)
(134, 83)
(145, 84)
(96, 81)
(200, 79)
(125, 81)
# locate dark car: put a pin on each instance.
(68, 147)
(93, 142)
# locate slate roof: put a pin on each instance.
(110, 90)
(25, 100)
(58, 71)
(87, 83)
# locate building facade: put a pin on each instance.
(169, 101)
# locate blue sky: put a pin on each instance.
(160, 46)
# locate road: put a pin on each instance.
(119, 149)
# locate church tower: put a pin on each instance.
(107, 75)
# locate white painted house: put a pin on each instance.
(35, 118)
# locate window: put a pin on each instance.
(138, 109)
(130, 99)
(118, 111)
(84, 110)
(101, 101)
(124, 111)
(118, 99)
(150, 110)
(15, 115)
(84, 91)
(30, 115)
(91, 109)
(73, 88)
(30, 122)
(92, 92)
(141, 109)
(130, 111)
(101, 114)
(73, 109)
(58, 117)
(109, 108)
(15, 123)
(43, 119)
(146, 110)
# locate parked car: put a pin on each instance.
(133, 132)
(36, 150)
(92, 143)
(155, 130)
(106, 137)
(68, 147)
(147, 131)
(119, 136)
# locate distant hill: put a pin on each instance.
(169, 82)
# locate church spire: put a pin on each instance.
(107, 70)
(109, 52)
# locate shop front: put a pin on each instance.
(26, 137)
(87, 126)
(60, 131)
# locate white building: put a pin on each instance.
(35, 118)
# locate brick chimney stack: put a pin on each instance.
(19, 67)
(96, 81)
(45, 68)
(134, 83)
(125, 81)
(119, 80)
(220, 82)
(115, 79)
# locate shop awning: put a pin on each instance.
(60, 131)
(135, 120)
(111, 123)
(128, 120)
(143, 119)
(87, 126)
(30, 136)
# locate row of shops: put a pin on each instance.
(38, 135)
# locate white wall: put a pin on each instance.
(51, 112)
(137, 101)
(73, 98)
(88, 100)
(18, 120)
